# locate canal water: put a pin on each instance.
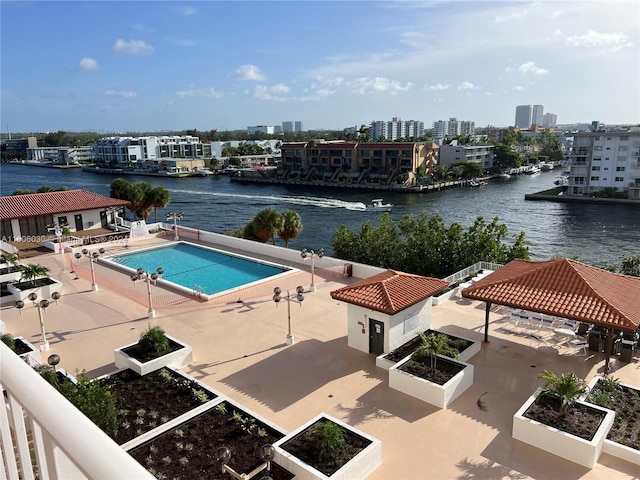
(597, 234)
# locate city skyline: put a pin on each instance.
(163, 65)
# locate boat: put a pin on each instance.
(201, 172)
(504, 175)
(561, 181)
(547, 166)
(376, 205)
(532, 170)
(477, 184)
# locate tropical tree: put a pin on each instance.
(9, 258)
(291, 226)
(266, 224)
(142, 197)
(631, 266)
(32, 271)
(567, 387)
(431, 346)
(505, 157)
(159, 198)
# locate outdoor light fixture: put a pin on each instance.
(299, 297)
(93, 257)
(304, 253)
(267, 452)
(41, 306)
(148, 278)
(175, 217)
(53, 360)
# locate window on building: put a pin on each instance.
(621, 158)
(595, 168)
(597, 159)
(620, 169)
(595, 179)
(619, 179)
(597, 148)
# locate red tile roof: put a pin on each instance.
(564, 288)
(389, 292)
(52, 203)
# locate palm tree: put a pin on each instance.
(291, 226)
(265, 225)
(159, 198)
(32, 271)
(9, 258)
(567, 387)
(432, 346)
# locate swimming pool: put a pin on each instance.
(199, 269)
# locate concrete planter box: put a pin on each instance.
(359, 466)
(444, 297)
(572, 448)
(22, 290)
(9, 276)
(178, 359)
(613, 448)
(439, 395)
(383, 362)
(33, 357)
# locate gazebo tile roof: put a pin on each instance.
(389, 292)
(565, 288)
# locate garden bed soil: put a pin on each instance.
(4, 291)
(21, 347)
(188, 451)
(581, 420)
(5, 270)
(38, 282)
(133, 352)
(444, 371)
(625, 402)
(409, 347)
(145, 402)
(304, 448)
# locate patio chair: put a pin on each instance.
(548, 322)
(580, 348)
(536, 321)
(583, 329)
(537, 339)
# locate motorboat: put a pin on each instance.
(376, 205)
(561, 181)
(201, 172)
(504, 175)
(532, 170)
(547, 166)
(477, 184)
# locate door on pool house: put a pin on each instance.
(78, 218)
(376, 337)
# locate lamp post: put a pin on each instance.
(304, 253)
(148, 278)
(41, 305)
(93, 257)
(299, 297)
(175, 217)
(267, 452)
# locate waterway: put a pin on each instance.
(596, 234)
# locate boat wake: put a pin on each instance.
(278, 199)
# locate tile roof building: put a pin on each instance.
(34, 214)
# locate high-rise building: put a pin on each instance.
(395, 129)
(467, 127)
(297, 126)
(549, 120)
(537, 115)
(439, 130)
(523, 116)
(287, 126)
(454, 127)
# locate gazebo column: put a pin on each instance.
(608, 350)
(486, 323)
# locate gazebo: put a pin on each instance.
(564, 288)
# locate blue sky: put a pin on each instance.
(153, 65)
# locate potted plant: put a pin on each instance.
(154, 350)
(23, 348)
(555, 420)
(326, 448)
(430, 373)
(34, 279)
(9, 268)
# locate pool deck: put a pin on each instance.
(239, 349)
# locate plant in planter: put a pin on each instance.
(8, 340)
(153, 343)
(566, 387)
(430, 347)
(32, 271)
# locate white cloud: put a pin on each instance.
(199, 93)
(88, 64)
(121, 93)
(530, 67)
(185, 10)
(511, 17)
(263, 92)
(518, 88)
(609, 41)
(468, 86)
(437, 86)
(368, 86)
(132, 47)
(248, 72)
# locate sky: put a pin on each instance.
(127, 66)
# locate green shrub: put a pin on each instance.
(153, 342)
(8, 340)
(328, 439)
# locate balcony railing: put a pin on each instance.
(44, 436)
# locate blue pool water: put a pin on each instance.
(199, 269)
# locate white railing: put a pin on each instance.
(462, 274)
(36, 419)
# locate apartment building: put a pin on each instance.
(291, 126)
(450, 128)
(523, 116)
(137, 150)
(395, 129)
(268, 129)
(356, 161)
(537, 115)
(549, 120)
(62, 155)
(605, 159)
(451, 154)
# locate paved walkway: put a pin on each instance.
(239, 350)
